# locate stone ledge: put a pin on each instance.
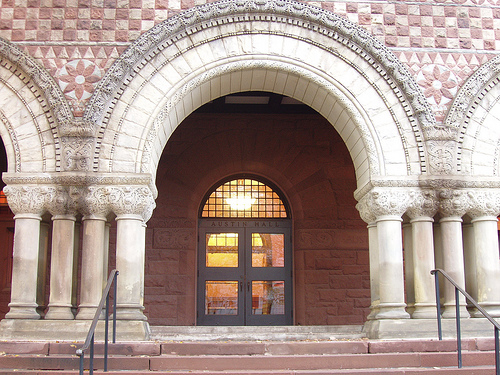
(386, 329)
(70, 330)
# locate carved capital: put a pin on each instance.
(453, 203)
(379, 203)
(424, 203)
(132, 200)
(483, 203)
(61, 201)
(28, 199)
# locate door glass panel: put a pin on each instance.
(268, 250)
(221, 298)
(222, 249)
(268, 297)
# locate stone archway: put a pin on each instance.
(209, 51)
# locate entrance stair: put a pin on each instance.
(356, 356)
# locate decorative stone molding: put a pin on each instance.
(28, 199)
(471, 93)
(12, 58)
(424, 203)
(453, 203)
(194, 20)
(62, 202)
(131, 200)
(441, 157)
(483, 203)
(77, 153)
(384, 202)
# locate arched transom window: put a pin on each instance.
(244, 198)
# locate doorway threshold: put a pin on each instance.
(256, 333)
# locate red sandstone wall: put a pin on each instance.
(305, 157)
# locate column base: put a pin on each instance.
(22, 311)
(130, 313)
(87, 313)
(74, 330)
(59, 313)
(424, 312)
(449, 312)
(386, 329)
(392, 311)
(491, 308)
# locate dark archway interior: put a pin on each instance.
(290, 145)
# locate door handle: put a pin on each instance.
(248, 286)
(241, 286)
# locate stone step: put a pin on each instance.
(479, 370)
(254, 362)
(255, 333)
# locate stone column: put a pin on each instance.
(424, 206)
(452, 208)
(409, 272)
(485, 207)
(27, 203)
(62, 257)
(369, 218)
(388, 205)
(93, 277)
(133, 206)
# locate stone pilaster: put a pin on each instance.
(484, 209)
(453, 205)
(133, 206)
(421, 212)
(28, 204)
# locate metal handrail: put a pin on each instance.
(496, 326)
(89, 342)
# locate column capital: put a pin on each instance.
(26, 199)
(383, 202)
(483, 203)
(424, 203)
(453, 203)
(62, 201)
(131, 200)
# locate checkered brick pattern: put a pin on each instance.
(422, 34)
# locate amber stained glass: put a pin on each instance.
(244, 198)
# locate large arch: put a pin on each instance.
(288, 48)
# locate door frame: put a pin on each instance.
(245, 316)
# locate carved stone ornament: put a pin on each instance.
(424, 203)
(453, 203)
(385, 202)
(441, 157)
(40, 79)
(471, 93)
(29, 199)
(194, 20)
(77, 153)
(131, 200)
(62, 202)
(483, 203)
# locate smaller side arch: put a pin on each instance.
(475, 117)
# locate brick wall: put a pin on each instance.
(304, 156)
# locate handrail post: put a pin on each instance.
(459, 338)
(438, 305)
(497, 352)
(91, 357)
(115, 288)
(106, 328)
